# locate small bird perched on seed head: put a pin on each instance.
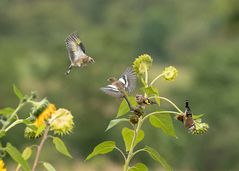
(120, 87)
(76, 52)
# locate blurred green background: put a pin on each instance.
(200, 38)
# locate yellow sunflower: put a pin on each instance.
(43, 111)
(2, 168)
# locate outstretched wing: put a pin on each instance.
(112, 91)
(128, 78)
(74, 46)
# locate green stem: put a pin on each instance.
(146, 80)
(14, 124)
(131, 150)
(161, 112)
(121, 152)
(166, 99)
(14, 114)
(160, 75)
(136, 152)
(39, 148)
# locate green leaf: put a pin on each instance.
(102, 148)
(17, 92)
(60, 146)
(197, 116)
(6, 111)
(2, 133)
(158, 100)
(139, 167)
(157, 157)
(16, 155)
(48, 166)
(40, 130)
(163, 121)
(124, 108)
(114, 122)
(150, 90)
(27, 152)
(128, 135)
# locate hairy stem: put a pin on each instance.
(14, 124)
(14, 114)
(131, 150)
(160, 75)
(166, 99)
(161, 112)
(146, 80)
(39, 148)
(121, 153)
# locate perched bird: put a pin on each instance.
(120, 87)
(142, 100)
(76, 52)
(187, 118)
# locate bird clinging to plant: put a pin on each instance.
(76, 52)
(143, 101)
(120, 87)
(187, 117)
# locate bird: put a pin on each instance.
(120, 87)
(187, 118)
(76, 52)
(143, 101)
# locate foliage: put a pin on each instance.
(199, 37)
(159, 118)
(42, 115)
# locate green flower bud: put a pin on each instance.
(142, 63)
(170, 73)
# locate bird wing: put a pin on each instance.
(74, 46)
(128, 78)
(112, 91)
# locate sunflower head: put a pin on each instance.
(170, 73)
(2, 167)
(61, 122)
(42, 111)
(200, 128)
(30, 133)
(142, 63)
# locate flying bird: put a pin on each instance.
(76, 52)
(120, 87)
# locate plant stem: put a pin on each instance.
(128, 102)
(14, 124)
(39, 148)
(146, 80)
(131, 150)
(161, 112)
(166, 99)
(14, 114)
(121, 152)
(160, 75)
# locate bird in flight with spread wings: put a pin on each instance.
(120, 87)
(76, 52)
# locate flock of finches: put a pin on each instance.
(117, 87)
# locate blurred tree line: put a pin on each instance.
(199, 37)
